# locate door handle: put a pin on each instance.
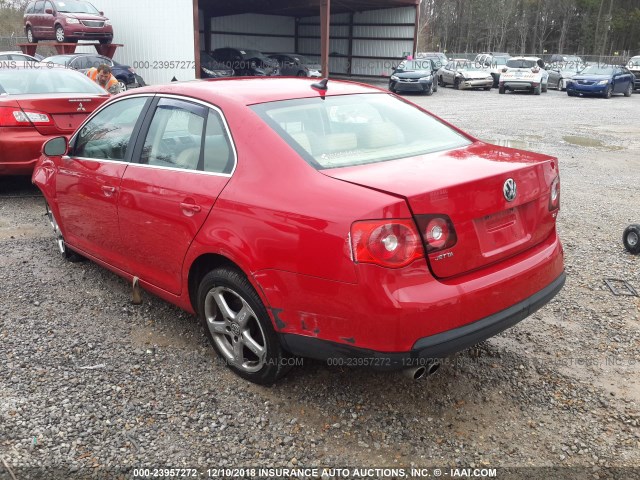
(108, 190)
(190, 208)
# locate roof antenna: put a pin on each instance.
(321, 85)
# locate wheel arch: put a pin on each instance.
(207, 262)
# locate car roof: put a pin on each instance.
(253, 90)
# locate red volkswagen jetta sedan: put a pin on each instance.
(342, 223)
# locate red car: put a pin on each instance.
(66, 21)
(38, 102)
(342, 224)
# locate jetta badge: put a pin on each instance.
(509, 190)
(81, 108)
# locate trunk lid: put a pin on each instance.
(66, 111)
(467, 186)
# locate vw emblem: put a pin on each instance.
(509, 190)
(81, 108)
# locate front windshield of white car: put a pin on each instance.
(520, 63)
(348, 130)
(598, 70)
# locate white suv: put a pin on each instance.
(524, 73)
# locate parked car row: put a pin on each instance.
(508, 73)
(226, 62)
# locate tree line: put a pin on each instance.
(583, 27)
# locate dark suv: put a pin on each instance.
(126, 76)
(250, 63)
(66, 21)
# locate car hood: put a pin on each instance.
(474, 75)
(413, 74)
(85, 16)
(592, 77)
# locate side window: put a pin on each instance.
(39, 8)
(175, 135)
(107, 136)
(29, 8)
(218, 155)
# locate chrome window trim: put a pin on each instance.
(177, 97)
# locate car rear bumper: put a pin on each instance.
(426, 349)
(20, 149)
(519, 85)
(390, 311)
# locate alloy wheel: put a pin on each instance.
(235, 329)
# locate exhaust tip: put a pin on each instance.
(422, 371)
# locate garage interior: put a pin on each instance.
(346, 37)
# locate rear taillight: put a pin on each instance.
(388, 243)
(15, 117)
(437, 232)
(504, 70)
(554, 194)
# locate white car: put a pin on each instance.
(524, 73)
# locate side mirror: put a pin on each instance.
(56, 147)
(48, 11)
(101, 13)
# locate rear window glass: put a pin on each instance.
(521, 63)
(348, 130)
(35, 80)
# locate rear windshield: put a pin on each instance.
(17, 81)
(349, 130)
(521, 63)
(73, 6)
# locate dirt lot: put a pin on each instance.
(91, 385)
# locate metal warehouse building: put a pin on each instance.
(162, 40)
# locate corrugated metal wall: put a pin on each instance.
(267, 33)
(154, 36)
(380, 39)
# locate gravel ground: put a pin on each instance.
(92, 386)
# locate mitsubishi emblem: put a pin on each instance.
(509, 190)
(81, 108)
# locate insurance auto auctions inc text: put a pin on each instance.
(331, 473)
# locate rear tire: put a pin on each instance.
(239, 328)
(537, 90)
(544, 88)
(628, 91)
(631, 239)
(30, 37)
(122, 84)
